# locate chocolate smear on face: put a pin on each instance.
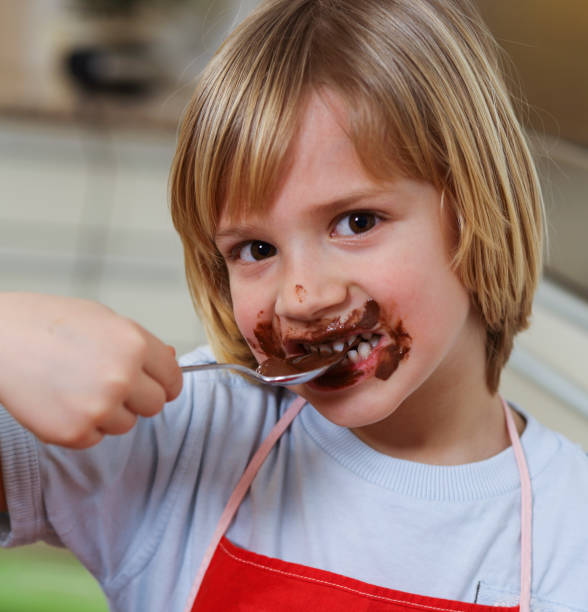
(268, 339)
(388, 361)
(370, 315)
(359, 319)
(390, 356)
(300, 293)
(339, 376)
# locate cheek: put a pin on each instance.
(242, 307)
(425, 294)
(440, 314)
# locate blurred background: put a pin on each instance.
(91, 92)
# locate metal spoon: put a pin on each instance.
(291, 378)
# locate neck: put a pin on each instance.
(440, 434)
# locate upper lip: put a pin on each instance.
(294, 343)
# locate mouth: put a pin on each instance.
(361, 358)
(357, 347)
(372, 347)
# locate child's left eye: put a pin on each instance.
(355, 223)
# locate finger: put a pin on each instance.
(161, 365)
(147, 397)
(91, 439)
(76, 441)
(117, 423)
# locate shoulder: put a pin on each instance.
(562, 457)
(555, 462)
(563, 481)
(559, 476)
(548, 450)
(560, 505)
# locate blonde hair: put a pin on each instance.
(421, 83)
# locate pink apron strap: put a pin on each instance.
(526, 511)
(240, 491)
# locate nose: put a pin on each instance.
(310, 288)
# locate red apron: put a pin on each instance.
(232, 578)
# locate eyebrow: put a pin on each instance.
(356, 197)
(240, 230)
(236, 231)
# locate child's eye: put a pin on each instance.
(254, 250)
(355, 223)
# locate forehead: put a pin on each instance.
(321, 163)
(322, 157)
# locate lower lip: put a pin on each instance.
(343, 377)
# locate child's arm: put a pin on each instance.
(72, 371)
(3, 506)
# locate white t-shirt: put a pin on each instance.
(139, 510)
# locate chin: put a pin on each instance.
(366, 401)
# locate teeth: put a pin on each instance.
(364, 349)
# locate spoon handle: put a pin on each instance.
(280, 380)
(222, 366)
(285, 379)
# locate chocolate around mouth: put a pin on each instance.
(268, 339)
(340, 375)
(324, 330)
(357, 321)
(388, 358)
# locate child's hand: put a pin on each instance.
(72, 371)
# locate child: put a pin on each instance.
(349, 177)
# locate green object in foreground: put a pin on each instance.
(40, 579)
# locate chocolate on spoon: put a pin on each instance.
(274, 366)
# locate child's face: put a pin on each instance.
(334, 242)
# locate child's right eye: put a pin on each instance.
(254, 250)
